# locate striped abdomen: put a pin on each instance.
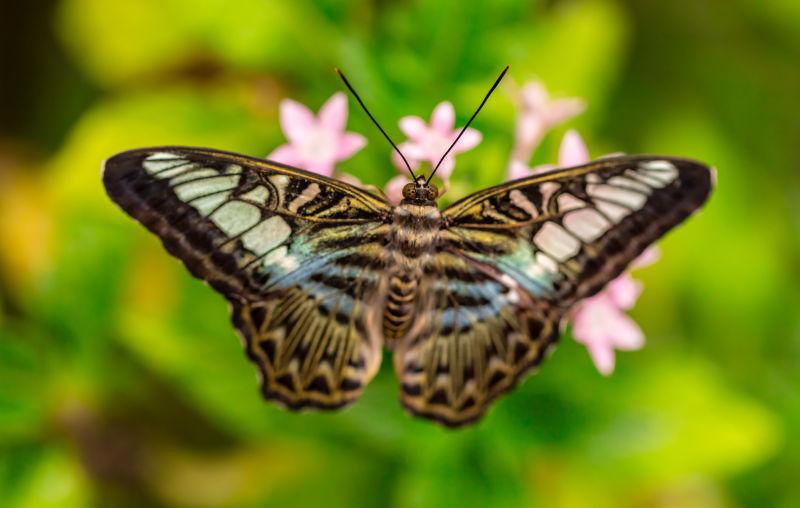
(399, 309)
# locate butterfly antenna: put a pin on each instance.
(464, 129)
(352, 91)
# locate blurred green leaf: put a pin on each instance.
(23, 385)
(120, 41)
(52, 479)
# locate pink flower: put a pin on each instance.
(316, 143)
(538, 114)
(571, 152)
(430, 142)
(394, 188)
(600, 323)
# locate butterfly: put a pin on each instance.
(321, 274)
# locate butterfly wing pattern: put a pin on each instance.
(296, 254)
(513, 259)
(320, 273)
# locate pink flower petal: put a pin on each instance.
(561, 110)
(601, 327)
(324, 168)
(285, 154)
(349, 144)
(413, 127)
(406, 149)
(573, 151)
(624, 291)
(333, 114)
(394, 188)
(415, 151)
(296, 120)
(627, 334)
(543, 168)
(603, 358)
(534, 95)
(446, 168)
(518, 170)
(647, 258)
(530, 130)
(593, 323)
(430, 142)
(469, 140)
(443, 118)
(348, 178)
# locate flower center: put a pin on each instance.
(319, 146)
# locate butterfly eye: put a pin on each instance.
(410, 191)
(433, 192)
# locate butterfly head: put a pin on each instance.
(420, 191)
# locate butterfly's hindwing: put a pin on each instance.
(563, 235)
(295, 253)
(476, 334)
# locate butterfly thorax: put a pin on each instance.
(415, 228)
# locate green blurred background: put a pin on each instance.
(123, 384)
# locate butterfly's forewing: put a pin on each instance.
(512, 259)
(295, 253)
(563, 235)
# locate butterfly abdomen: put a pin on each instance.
(399, 309)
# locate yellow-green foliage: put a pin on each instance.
(122, 382)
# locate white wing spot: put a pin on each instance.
(191, 175)
(534, 271)
(159, 161)
(659, 166)
(629, 198)
(520, 201)
(195, 189)
(208, 204)
(554, 240)
(236, 216)
(548, 189)
(281, 258)
(663, 171)
(259, 195)
(586, 224)
(279, 180)
(309, 193)
(645, 178)
(614, 212)
(630, 183)
(641, 176)
(546, 262)
(568, 202)
(267, 235)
